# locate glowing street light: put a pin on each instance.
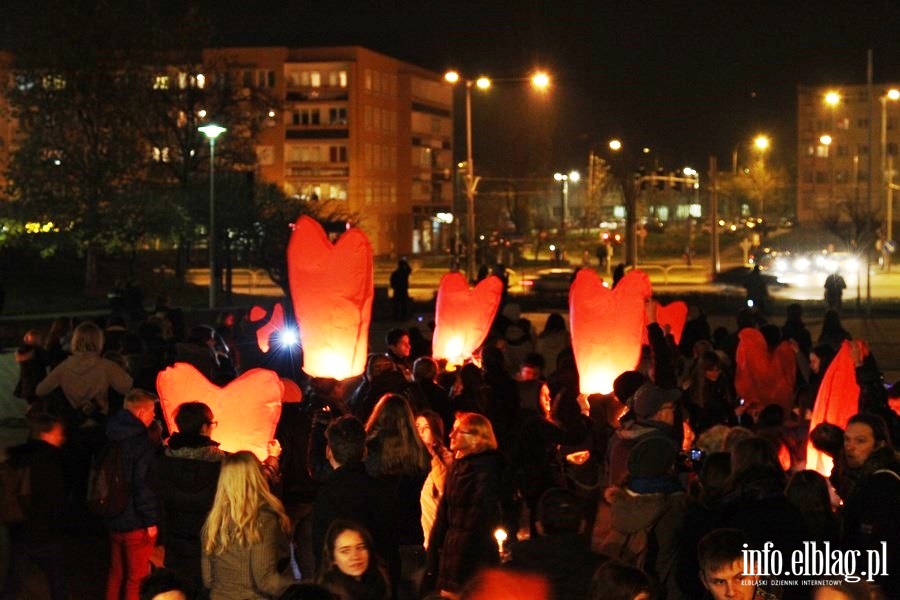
(615, 145)
(564, 179)
(825, 139)
(212, 131)
(832, 98)
(893, 95)
(539, 80)
(761, 142)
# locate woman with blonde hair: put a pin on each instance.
(471, 509)
(246, 533)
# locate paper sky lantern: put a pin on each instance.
(463, 316)
(247, 409)
(607, 327)
(764, 377)
(332, 288)
(674, 315)
(265, 331)
(836, 402)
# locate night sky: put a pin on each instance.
(688, 79)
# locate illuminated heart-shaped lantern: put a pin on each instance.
(332, 288)
(463, 316)
(673, 315)
(607, 327)
(265, 331)
(836, 402)
(764, 377)
(247, 409)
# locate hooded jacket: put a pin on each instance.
(85, 379)
(137, 454)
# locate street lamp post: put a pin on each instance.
(893, 95)
(539, 80)
(761, 143)
(564, 180)
(212, 131)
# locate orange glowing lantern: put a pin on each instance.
(673, 316)
(836, 402)
(764, 376)
(463, 316)
(265, 331)
(607, 327)
(247, 409)
(332, 288)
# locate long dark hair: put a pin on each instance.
(436, 424)
(393, 429)
(336, 528)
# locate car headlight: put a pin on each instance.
(801, 265)
(851, 265)
(781, 265)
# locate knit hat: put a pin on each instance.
(649, 398)
(653, 456)
(626, 384)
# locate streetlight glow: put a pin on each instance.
(825, 139)
(615, 145)
(832, 98)
(483, 83)
(761, 142)
(558, 176)
(574, 176)
(451, 76)
(893, 94)
(540, 80)
(212, 131)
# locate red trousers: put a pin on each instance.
(129, 562)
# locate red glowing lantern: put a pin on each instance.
(265, 331)
(673, 316)
(247, 409)
(607, 327)
(463, 316)
(764, 376)
(836, 402)
(332, 288)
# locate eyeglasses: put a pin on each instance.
(462, 432)
(212, 423)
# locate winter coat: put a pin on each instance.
(625, 515)
(870, 513)
(250, 573)
(471, 509)
(404, 494)
(351, 493)
(85, 379)
(185, 477)
(372, 586)
(138, 453)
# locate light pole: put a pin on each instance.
(539, 80)
(893, 95)
(832, 100)
(761, 143)
(212, 131)
(564, 180)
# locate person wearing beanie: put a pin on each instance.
(654, 414)
(640, 521)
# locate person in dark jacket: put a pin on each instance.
(351, 493)
(560, 551)
(185, 477)
(38, 539)
(132, 534)
(471, 509)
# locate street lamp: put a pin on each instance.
(892, 95)
(761, 143)
(212, 131)
(540, 80)
(564, 180)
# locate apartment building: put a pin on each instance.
(348, 128)
(360, 131)
(839, 132)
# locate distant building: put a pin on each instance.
(362, 131)
(835, 169)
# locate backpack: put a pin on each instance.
(108, 489)
(15, 492)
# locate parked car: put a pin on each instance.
(554, 281)
(736, 276)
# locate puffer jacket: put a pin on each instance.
(471, 509)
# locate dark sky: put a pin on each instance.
(688, 79)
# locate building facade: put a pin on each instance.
(844, 141)
(358, 131)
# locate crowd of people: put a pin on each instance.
(419, 479)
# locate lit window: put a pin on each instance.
(201, 80)
(161, 82)
(182, 80)
(315, 79)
